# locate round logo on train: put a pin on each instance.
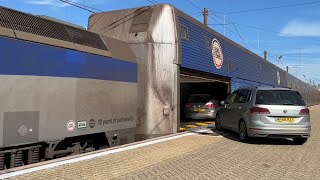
(278, 78)
(217, 54)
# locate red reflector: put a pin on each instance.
(188, 106)
(259, 110)
(210, 105)
(304, 112)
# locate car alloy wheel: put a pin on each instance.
(243, 131)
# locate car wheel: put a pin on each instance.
(243, 131)
(300, 141)
(218, 123)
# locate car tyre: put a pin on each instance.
(243, 133)
(300, 141)
(218, 123)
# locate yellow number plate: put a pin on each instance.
(290, 120)
(198, 110)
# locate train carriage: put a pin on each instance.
(64, 90)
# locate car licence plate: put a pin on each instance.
(198, 110)
(283, 119)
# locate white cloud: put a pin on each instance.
(55, 3)
(301, 28)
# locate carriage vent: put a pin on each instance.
(35, 25)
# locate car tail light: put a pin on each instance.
(259, 110)
(304, 111)
(188, 106)
(210, 105)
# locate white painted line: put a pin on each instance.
(69, 161)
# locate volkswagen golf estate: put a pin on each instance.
(265, 112)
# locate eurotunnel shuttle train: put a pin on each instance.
(64, 90)
(177, 55)
(67, 90)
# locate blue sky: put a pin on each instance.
(290, 32)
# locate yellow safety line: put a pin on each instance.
(201, 124)
(210, 122)
(191, 126)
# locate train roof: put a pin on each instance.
(24, 26)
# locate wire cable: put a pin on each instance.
(72, 4)
(86, 6)
(274, 7)
(268, 30)
(244, 42)
(237, 34)
(153, 1)
(194, 5)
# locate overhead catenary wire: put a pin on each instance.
(194, 5)
(237, 34)
(244, 42)
(267, 30)
(153, 1)
(270, 53)
(274, 7)
(78, 6)
(83, 5)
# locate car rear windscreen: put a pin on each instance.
(200, 99)
(279, 97)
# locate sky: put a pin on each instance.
(289, 30)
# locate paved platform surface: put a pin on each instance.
(202, 156)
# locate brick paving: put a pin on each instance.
(203, 157)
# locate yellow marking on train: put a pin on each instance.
(191, 126)
(201, 124)
(210, 122)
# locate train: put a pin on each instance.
(64, 90)
(177, 55)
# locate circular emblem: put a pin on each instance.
(71, 125)
(23, 130)
(92, 123)
(217, 54)
(278, 78)
(285, 111)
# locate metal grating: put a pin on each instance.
(35, 25)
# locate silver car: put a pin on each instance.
(265, 112)
(201, 106)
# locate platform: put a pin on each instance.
(116, 162)
(201, 154)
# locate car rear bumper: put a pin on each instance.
(297, 131)
(210, 115)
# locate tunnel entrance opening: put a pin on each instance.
(200, 94)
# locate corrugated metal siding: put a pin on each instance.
(245, 65)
